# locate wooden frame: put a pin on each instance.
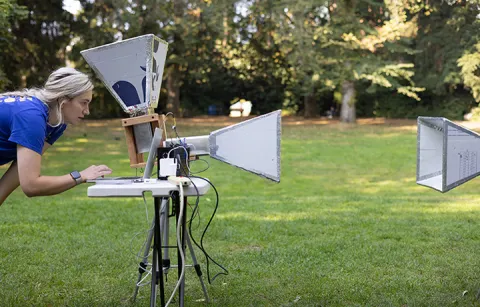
(155, 120)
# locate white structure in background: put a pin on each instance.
(447, 154)
(72, 6)
(240, 108)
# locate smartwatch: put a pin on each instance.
(77, 177)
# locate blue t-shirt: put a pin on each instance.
(24, 121)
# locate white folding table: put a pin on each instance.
(161, 190)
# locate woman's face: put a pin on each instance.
(76, 109)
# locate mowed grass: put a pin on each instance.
(347, 226)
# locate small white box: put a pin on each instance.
(168, 167)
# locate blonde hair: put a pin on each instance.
(61, 86)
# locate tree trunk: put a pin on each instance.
(225, 28)
(173, 89)
(347, 114)
(310, 106)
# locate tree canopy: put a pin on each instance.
(393, 58)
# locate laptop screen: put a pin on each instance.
(157, 139)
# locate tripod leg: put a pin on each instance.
(197, 267)
(157, 254)
(165, 228)
(143, 265)
(153, 290)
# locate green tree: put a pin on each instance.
(10, 12)
(446, 66)
(188, 27)
(335, 44)
(98, 23)
(38, 41)
(252, 53)
(470, 66)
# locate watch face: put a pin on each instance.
(75, 175)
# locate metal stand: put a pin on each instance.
(159, 233)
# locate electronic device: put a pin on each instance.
(252, 145)
(132, 71)
(157, 137)
(172, 161)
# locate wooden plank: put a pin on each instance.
(132, 150)
(140, 165)
(140, 120)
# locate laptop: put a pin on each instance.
(157, 138)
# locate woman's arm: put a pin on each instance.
(9, 182)
(34, 184)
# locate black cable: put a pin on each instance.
(185, 168)
(176, 133)
(193, 217)
(196, 208)
(203, 170)
(202, 249)
(186, 171)
(174, 127)
(207, 256)
(186, 148)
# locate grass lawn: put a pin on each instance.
(347, 226)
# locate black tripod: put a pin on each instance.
(160, 226)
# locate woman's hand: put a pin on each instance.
(95, 171)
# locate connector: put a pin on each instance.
(184, 181)
(149, 180)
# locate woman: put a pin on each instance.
(31, 121)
